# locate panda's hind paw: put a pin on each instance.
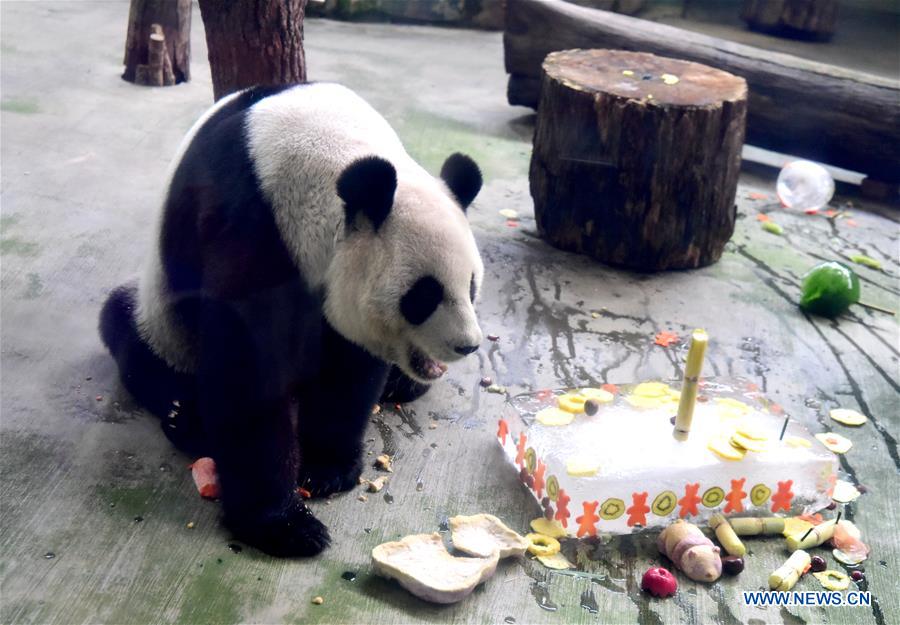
(321, 480)
(293, 532)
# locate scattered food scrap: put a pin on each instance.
(691, 551)
(482, 534)
(670, 79)
(772, 227)
(497, 389)
(833, 580)
(845, 492)
(732, 565)
(659, 582)
(763, 217)
(422, 564)
(548, 528)
(789, 573)
(757, 196)
(557, 562)
(384, 462)
(318, 600)
(541, 545)
(373, 486)
(666, 338)
(509, 213)
(835, 442)
(866, 261)
(848, 416)
(205, 477)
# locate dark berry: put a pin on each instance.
(493, 337)
(548, 513)
(817, 564)
(857, 576)
(486, 382)
(523, 474)
(591, 407)
(529, 481)
(862, 488)
(831, 506)
(732, 565)
(545, 501)
(672, 420)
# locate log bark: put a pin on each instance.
(174, 20)
(794, 18)
(818, 111)
(636, 158)
(254, 42)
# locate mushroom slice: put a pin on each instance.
(422, 565)
(482, 534)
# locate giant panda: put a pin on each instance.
(302, 261)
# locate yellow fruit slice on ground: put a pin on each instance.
(571, 403)
(794, 526)
(833, 580)
(796, 441)
(553, 529)
(579, 467)
(847, 416)
(723, 448)
(554, 416)
(597, 394)
(650, 389)
(556, 561)
(835, 442)
(733, 404)
(739, 440)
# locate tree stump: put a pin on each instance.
(812, 19)
(158, 44)
(254, 42)
(636, 157)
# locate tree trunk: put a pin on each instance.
(636, 158)
(795, 18)
(174, 17)
(814, 110)
(254, 42)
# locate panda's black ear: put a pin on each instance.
(463, 177)
(367, 187)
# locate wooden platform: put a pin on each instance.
(76, 472)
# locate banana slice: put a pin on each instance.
(739, 440)
(554, 416)
(723, 448)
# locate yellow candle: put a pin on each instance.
(692, 369)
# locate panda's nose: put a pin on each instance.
(465, 350)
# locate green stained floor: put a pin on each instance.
(89, 479)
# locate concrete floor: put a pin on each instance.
(95, 503)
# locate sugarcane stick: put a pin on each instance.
(754, 526)
(813, 538)
(785, 576)
(726, 535)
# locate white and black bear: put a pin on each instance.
(303, 258)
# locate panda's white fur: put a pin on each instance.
(300, 140)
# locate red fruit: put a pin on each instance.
(659, 582)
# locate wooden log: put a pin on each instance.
(173, 21)
(793, 18)
(636, 158)
(818, 111)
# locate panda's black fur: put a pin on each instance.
(267, 355)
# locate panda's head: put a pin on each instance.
(405, 274)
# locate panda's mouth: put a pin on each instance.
(424, 366)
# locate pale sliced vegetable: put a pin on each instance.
(797, 441)
(833, 580)
(739, 440)
(847, 416)
(751, 431)
(579, 467)
(482, 534)
(734, 404)
(723, 448)
(553, 529)
(845, 492)
(422, 564)
(651, 389)
(554, 416)
(835, 442)
(556, 561)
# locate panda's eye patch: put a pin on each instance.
(421, 300)
(472, 289)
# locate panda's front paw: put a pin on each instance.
(321, 479)
(290, 532)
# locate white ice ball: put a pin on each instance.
(804, 185)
